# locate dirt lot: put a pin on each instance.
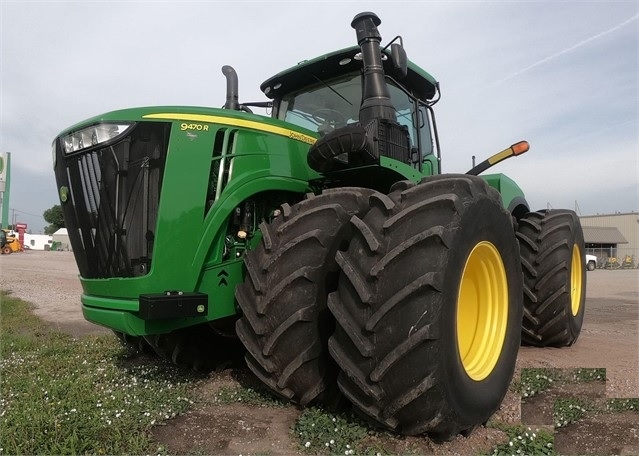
(609, 339)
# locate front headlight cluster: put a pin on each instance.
(93, 136)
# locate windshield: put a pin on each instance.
(332, 104)
(325, 106)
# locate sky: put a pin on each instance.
(563, 75)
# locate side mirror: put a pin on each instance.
(400, 60)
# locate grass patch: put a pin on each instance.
(60, 395)
(622, 405)
(569, 410)
(525, 441)
(584, 375)
(535, 380)
(321, 432)
(246, 395)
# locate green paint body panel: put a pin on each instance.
(260, 159)
(188, 241)
(512, 196)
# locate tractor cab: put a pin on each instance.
(325, 94)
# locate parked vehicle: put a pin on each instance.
(324, 237)
(10, 243)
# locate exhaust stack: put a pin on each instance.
(232, 97)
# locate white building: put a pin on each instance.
(37, 241)
(61, 239)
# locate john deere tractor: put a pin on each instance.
(325, 238)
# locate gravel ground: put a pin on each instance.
(48, 280)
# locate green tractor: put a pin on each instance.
(325, 238)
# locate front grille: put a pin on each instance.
(112, 209)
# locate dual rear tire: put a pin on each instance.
(424, 321)
(552, 258)
(428, 307)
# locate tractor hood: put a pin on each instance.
(192, 117)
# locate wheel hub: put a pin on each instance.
(482, 311)
(576, 278)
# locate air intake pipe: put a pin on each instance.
(377, 133)
(376, 102)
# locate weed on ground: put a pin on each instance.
(526, 441)
(573, 400)
(322, 432)
(246, 395)
(60, 395)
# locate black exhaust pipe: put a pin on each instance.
(232, 97)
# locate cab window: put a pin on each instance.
(325, 106)
(333, 104)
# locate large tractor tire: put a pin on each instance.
(552, 257)
(428, 307)
(285, 324)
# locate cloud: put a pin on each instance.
(568, 49)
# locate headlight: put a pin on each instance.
(93, 136)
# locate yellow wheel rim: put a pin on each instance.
(482, 311)
(576, 280)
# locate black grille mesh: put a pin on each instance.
(115, 192)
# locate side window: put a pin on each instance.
(425, 133)
(405, 111)
(417, 121)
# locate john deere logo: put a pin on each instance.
(64, 194)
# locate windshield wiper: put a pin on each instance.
(333, 90)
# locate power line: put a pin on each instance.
(27, 213)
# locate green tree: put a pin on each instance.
(55, 218)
